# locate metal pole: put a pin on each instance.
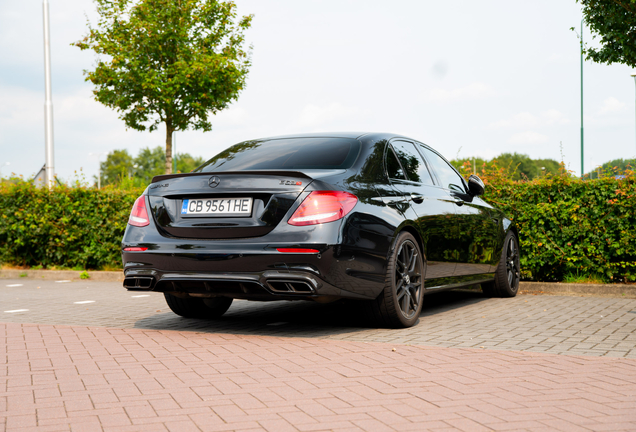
(48, 103)
(582, 150)
(634, 75)
(99, 173)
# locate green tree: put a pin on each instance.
(167, 61)
(187, 163)
(150, 162)
(613, 168)
(119, 164)
(516, 166)
(614, 22)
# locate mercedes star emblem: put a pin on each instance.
(214, 181)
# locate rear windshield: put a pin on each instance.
(287, 153)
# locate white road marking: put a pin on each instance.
(277, 323)
(17, 310)
(62, 281)
(144, 295)
(14, 285)
(85, 302)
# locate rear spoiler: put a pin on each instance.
(263, 172)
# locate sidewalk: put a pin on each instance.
(60, 378)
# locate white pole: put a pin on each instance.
(48, 103)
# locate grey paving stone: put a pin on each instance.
(567, 325)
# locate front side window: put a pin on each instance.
(412, 162)
(448, 177)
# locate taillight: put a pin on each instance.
(323, 206)
(139, 215)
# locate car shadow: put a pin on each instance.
(300, 319)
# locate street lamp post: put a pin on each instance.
(581, 38)
(99, 167)
(48, 104)
(634, 75)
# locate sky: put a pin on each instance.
(468, 78)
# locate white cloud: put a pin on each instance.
(528, 137)
(526, 120)
(476, 90)
(611, 105)
(315, 116)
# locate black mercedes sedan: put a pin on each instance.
(373, 217)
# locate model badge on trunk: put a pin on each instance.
(214, 181)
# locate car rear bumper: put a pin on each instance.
(258, 274)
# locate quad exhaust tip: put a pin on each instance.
(139, 282)
(290, 286)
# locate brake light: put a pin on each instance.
(135, 249)
(322, 207)
(139, 215)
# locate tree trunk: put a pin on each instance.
(169, 131)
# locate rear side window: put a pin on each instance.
(412, 162)
(393, 167)
(287, 153)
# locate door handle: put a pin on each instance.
(417, 198)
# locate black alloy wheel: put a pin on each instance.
(400, 303)
(508, 273)
(513, 270)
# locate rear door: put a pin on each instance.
(434, 207)
(224, 205)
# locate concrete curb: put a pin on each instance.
(596, 290)
(101, 276)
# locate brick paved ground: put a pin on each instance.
(124, 362)
(553, 324)
(60, 378)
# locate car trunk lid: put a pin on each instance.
(270, 194)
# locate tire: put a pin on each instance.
(198, 307)
(508, 272)
(400, 303)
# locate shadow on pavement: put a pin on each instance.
(299, 319)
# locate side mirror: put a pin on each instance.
(475, 185)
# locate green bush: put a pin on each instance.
(572, 227)
(67, 227)
(566, 226)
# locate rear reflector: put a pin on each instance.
(135, 249)
(139, 215)
(297, 250)
(323, 206)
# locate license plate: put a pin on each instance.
(217, 207)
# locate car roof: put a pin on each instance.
(353, 135)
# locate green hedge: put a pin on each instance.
(566, 226)
(68, 227)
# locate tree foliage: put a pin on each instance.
(515, 166)
(174, 62)
(614, 22)
(120, 166)
(616, 167)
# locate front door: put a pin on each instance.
(477, 230)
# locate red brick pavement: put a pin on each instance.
(60, 378)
